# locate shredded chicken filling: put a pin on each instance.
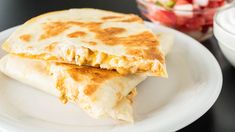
(86, 57)
(124, 65)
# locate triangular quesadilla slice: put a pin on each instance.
(100, 93)
(90, 37)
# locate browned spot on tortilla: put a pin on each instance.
(130, 18)
(51, 46)
(95, 76)
(26, 37)
(142, 45)
(131, 95)
(73, 75)
(92, 43)
(74, 92)
(90, 89)
(114, 30)
(53, 29)
(110, 17)
(76, 34)
(29, 47)
(84, 24)
(119, 96)
(147, 46)
(133, 18)
(149, 52)
(60, 85)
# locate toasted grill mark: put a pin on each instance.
(88, 25)
(111, 17)
(74, 93)
(60, 85)
(108, 37)
(53, 29)
(130, 18)
(142, 45)
(76, 34)
(51, 46)
(142, 39)
(29, 47)
(114, 30)
(25, 37)
(131, 95)
(152, 53)
(72, 73)
(119, 96)
(92, 43)
(94, 75)
(149, 44)
(90, 89)
(145, 41)
(133, 18)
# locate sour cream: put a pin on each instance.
(224, 31)
(224, 26)
(226, 19)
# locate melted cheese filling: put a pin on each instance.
(84, 56)
(123, 65)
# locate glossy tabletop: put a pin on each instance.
(220, 118)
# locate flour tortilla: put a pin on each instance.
(100, 93)
(92, 37)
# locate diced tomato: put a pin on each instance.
(213, 4)
(216, 3)
(186, 15)
(208, 15)
(165, 17)
(205, 28)
(194, 23)
(183, 2)
(190, 1)
(181, 20)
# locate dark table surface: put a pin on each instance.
(220, 118)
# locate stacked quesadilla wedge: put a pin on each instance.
(93, 58)
(90, 37)
(98, 92)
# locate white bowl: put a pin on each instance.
(223, 33)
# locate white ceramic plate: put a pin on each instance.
(194, 83)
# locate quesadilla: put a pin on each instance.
(100, 93)
(90, 37)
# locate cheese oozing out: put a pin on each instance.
(83, 56)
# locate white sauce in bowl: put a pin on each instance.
(226, 19)
(224, 31)
(224, 26)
